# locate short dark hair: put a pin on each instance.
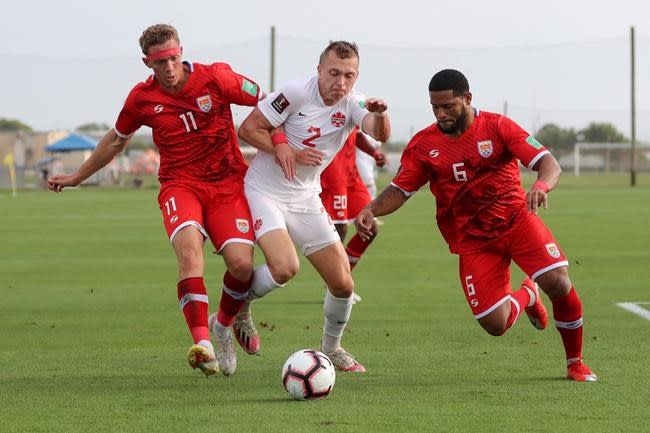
(342, 49)
(449, 79)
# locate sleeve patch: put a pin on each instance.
(248, 87)
(536, 144)
(280, 103)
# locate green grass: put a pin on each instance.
(91, 339)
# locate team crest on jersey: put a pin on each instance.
(258, 224)
(485, 148)
(204, 102)
(553, 250)
(338, 119)
(242, 225)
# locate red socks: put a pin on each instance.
(235, 293)
(355, 249)
(567, 312)
(193, 300)
(518, 302)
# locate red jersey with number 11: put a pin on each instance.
(193, 129)
(474, 177)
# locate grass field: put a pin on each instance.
(91, 339)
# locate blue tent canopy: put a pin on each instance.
(71, 143)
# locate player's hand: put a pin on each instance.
(375, 105)
(286, 158)
(364, 223)
(536, 198)
(60, 181)
(380, 158)
(309, 156)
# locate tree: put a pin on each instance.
(93, 127)
(557, 138)
(13, 125)
(602, 133)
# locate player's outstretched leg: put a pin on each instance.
(337, 313)
(225, 350)
(201, 355)
(535, 309)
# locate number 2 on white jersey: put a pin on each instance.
(316, 133)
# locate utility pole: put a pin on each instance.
(272, 80)
(633, 110)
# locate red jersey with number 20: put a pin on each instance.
(474, 177)
(193, 129)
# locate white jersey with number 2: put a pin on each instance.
(307, 122)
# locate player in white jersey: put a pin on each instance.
(298, 131)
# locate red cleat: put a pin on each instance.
(579, 372)
(537, 312)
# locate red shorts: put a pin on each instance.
(343, 203)
(220, 212)
(485, 275)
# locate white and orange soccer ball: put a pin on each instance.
(308, 374)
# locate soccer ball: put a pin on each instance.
(308, 375)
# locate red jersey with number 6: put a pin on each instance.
(475, 178)
(193, 129)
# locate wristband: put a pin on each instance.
(278, 137)
(541, 185)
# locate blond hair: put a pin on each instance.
(156, 35)
(342, 49)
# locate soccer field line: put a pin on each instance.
(636, 308)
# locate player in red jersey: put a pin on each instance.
(187, 106)
(469, 158)
(345, 194)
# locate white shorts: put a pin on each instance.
(310, 227)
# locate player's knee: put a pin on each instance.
(555, 283)
(494, 324)
(342, 288)
(284, 270)
(190, 259)
(495, 330)
(241, 268)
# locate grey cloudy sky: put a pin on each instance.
(68, 62)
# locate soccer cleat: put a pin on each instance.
(202, 357)
(537, 312)
(345, 361)
(225, 349)
(246, 333)
(579, 372)
(355, 298)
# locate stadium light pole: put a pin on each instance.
(632, 110)
(272, 78)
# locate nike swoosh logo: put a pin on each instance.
(301, 114)
(341, 322)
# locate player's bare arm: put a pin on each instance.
(257, 131)
(548, 174)
(108, 147)
(390, 199)
(377, 123)
(366, 147)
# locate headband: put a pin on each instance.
(163, 54)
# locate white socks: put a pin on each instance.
(337, 313)
(263, 282)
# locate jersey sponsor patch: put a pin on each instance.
(485, 148)
(553, 250)
(205, 103)
(338, 119)
(434, 153)
(531, 140)
(248, 87)
(242, 225)
(280, 103)
(158, 109)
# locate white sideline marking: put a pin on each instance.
(633, 307)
